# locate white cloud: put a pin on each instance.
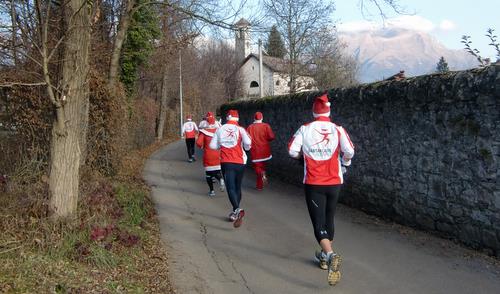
(409, 22)
(358, 25)
(447, 25)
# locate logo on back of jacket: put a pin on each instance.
(321, 143)
(189, 127)
(229, 137)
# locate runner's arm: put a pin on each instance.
(245, 139)
(270, 133)
(200, 140)
(295, 144)
(346, 147)
(214, 143)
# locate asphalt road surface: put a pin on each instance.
(272, 252)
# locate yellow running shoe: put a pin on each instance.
(334, 269)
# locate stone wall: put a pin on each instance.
(427, 149)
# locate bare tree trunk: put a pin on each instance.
(163, 104)
(121, 34)
(65, 153)
(13, 19)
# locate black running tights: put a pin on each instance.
(321, 203)
(233, 176)
(190, 147)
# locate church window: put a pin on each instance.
(277, 82)
(254, 84)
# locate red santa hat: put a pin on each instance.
(232, 114)
(209, 114)
(211, 120)
(258, 116)
(189, 117)
(321, 106)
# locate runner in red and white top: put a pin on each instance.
(326, 148)
(262, 135)
(204, 123)
(189, 131)
(232, 139)
(211, 157)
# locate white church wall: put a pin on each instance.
(249, 73)
(282, 80)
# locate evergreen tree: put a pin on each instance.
(138, 46)
(274, 45)
(442, 66)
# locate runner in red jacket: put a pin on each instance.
(211, 158)
(262, 135)
(326, 149)
(231, 139)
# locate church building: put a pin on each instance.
(275, 70)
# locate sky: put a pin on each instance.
(446, 20)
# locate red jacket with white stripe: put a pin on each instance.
(261, 134)
(211, 158)
(189, 129)
(231, 139)
(325, 147)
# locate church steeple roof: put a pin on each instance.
(242, 23)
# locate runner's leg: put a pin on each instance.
(191, 147)
(258, 172)
(188, 149)
(332, 198)
(229, 172)
(316, 205)
(208, 176)
(240, 169)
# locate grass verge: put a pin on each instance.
(112, 246)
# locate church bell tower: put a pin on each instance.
(242, 39)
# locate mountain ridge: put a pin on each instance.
(384, 52)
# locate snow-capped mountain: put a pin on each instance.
(382, 53)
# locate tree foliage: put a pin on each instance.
(274, 45)
(298, 21)
(143, 31)
(490, 33)
(442, 66)
(331, 65)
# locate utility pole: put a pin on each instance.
(261, 71)
(180, 89)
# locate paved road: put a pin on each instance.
(272, 251)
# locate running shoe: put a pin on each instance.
(222, 185)
(264, 179)
(190, 160)
(321, 259)
(240, 213)
(211, 193)
(232, 216)
(334, 269)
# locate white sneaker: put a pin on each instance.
(240, 213)
(211, 193)
(232, 216)
(321, 259)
